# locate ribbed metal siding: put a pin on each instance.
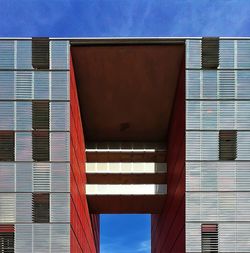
(21, 84)
(218, 191)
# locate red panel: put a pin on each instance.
(168, 228)
(7, 228)
(84, 235)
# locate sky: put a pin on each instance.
(124, 18)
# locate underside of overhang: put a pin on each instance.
(126, 92)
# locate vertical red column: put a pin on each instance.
(168, 228)
(84, 234)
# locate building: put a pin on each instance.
(150, 125)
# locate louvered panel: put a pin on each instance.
(60, 173)
(41, 238)
(23, 238)
(7, 146)
(227, 237)
(59, 146)
(7, 177)
(243, 53)
(214, 115)
(23, 146)
(226, 115)
(24, 177)
(209, 177)
(193, 237)
(210, 52)
(243, 176)
(41, 207)
(243, 145)
(243, 87)
(193, 114)
(209, 203)
(41, 85)
(59, 54)
(24, 55)
(60, 238)
(23, 115)
(6, 115)
(243, 115)
(227, 54)
(7, 207)
(202, 146)
(242, 239)
(7, 241)
(24, 207)
(7, 54)
(231, 176)
(227, 84)
(193, 176)
(59, 116)
(193, 54)
(24, 83)
(60, 207)
(41, 177)
(226, 176)
(40, 53)
(209, 238)
(40, 115)
(243, 206)
(193, 206)
(227, 145)
(40, 146)
(60, 85)
(209, 83)
(7, 85)
(193, 78)
(227, 206)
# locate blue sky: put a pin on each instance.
(125, 233)
(62, 18)
(105, 18)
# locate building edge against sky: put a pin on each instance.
(199, 203)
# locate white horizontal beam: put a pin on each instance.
(124, 167)
(120, 189)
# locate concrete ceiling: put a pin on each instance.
(126, 92)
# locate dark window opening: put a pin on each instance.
(210, 53)
(40, 115)
(40, 146)
(40, 207)
(7, 239)
(7, 146)
(40, 53)
(209, 238)
(227, 145)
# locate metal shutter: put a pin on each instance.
(40, 53)
(7, 146)
(7, 239)
(227, 145)
(209, 238)
(40, 115)
(40, 146)
(210, 53)
(40, 207)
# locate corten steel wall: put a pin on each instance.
(168, 228)
(82, 236)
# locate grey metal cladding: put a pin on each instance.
(40, 53)
(210, 52)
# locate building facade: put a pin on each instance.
(57, 174)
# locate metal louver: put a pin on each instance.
(40, 207)
(40, 53)
(209, 234)
(40, 146)
(7, 146)
(7, 239)
(227, 145)
(40, 115)
(210, 53)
